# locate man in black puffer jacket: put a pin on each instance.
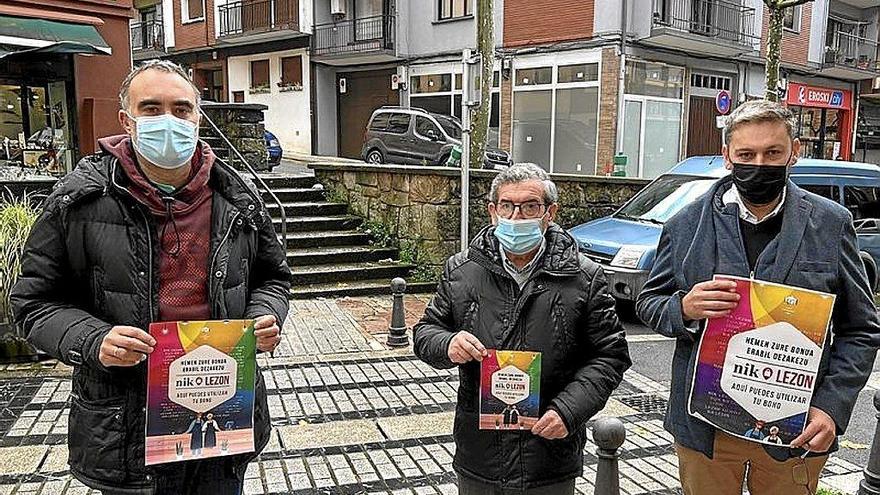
(150, 229)
(524, 286)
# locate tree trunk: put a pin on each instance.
(486, 48)
(774, 40)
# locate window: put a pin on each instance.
(829, 192)
(710, 82)
(436, 93)
(432, 83)
(791, 18)
(238, 96)
(380, 122)
(291, 71)
(192, 10)
(862, 201)
(259, 74)
(426, 128)
(399, 123)
(578, 73)
(531, 77)
(450, 9)
(450, 126)
(654, 79)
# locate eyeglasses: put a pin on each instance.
(529, 209)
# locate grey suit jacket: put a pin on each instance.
(816, 249)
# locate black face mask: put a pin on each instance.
(759, 184)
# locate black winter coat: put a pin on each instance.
(565, 312)
(91, 262)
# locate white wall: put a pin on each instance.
(288, 116)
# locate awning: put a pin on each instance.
(21, 36)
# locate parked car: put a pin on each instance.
(273, 148)
(625, 242)
(416, 136)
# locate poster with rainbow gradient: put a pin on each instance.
(756, 367)
(200, 390)
(510, 390)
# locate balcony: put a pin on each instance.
(711, 27)
(258, 20)
(851, 57)
(355, 41)
(147, 39)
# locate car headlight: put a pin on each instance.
(628, 256)
(273, 143)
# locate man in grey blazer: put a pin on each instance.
(756, 222)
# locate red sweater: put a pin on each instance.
(183, 220)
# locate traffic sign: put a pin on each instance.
(723, 101)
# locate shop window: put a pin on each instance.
(11, 117)
(791, 19)
(532, 77)
(260, 74)
(192, 10)
(862, 201)
(399, 123)
(451, 9)
(576, 119)
(532, 127)
(578, 73)
(431, 83)
(291, 72)
(652, 134)
(654, 79)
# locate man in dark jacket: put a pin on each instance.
(524, 286)
(758, 223)
(152, 228)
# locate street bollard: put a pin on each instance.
(608, 435)
(397, 336)
(871, 484)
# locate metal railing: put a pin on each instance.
(722, 20)
(254, 174)
(367, 34)
(852, 51)
(258, 16)
(147, 35)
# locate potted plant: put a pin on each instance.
(17, 216)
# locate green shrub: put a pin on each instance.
(17, 216)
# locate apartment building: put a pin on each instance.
(254, 51)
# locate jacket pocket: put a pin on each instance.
(97, 439)
(236, 300)
(814, 266)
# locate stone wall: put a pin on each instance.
(242, 123)
(420, 206)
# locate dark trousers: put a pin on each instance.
(221, 476)
(469, 486)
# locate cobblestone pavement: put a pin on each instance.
(350, 415)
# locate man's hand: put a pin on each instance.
(267, 332)
(819, 433)
(465, 348)
(550, 426)
(711, 299)
(125, 346)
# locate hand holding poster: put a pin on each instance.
(510, 390)
(756, 368)
(200, 390)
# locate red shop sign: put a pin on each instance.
(812, 96)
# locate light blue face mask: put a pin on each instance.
(165, 140)
(519, 236)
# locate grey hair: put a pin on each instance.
(756, 111)
(155, 64)
(523, 172)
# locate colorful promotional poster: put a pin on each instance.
(756, 368)
(510, 390)
(200, 390)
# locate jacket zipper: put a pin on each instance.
(219, 246)
(149, 262)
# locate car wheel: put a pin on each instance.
(375, 156)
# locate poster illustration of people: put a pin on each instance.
(756, 368)
(200, 390)
(510, 390)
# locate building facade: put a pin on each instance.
(61, 64)
(253, 51)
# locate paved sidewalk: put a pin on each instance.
(351, 416)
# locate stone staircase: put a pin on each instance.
(327, 254)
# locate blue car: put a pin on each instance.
(273, 147)
(625, 242)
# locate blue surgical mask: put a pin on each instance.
(519, 236)
(165, 141)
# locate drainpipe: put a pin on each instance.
(622, 74)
